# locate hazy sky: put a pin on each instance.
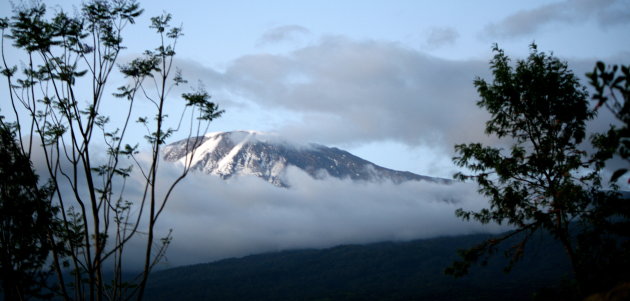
(390, 81)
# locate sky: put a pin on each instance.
(389, 81)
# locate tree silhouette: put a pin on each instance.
(605, 242)
(612, 90)
(542, 182)
(25, 220)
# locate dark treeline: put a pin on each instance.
(383, 271)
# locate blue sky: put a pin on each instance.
(390, 81)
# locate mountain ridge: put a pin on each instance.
(228, 154)
(402, 270)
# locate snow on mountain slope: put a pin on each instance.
(267, 156)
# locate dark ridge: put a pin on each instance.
(383, 271)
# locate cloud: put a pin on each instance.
(441, 36)
(213, 219)
(525, 22)
(347, 91)
(282, 34)
(351, 93)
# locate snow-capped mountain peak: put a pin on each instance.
(267, 156)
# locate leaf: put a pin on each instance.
(618, 173)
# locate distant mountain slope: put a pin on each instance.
(384, 271)
(253, 153)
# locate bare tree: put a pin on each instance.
(98, 217)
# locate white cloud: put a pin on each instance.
(347, 91)
(214, 219)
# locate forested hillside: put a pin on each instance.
(383, 271)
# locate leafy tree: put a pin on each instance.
(25, 218)
(59, 101)
(612, 90)
(605, 242)
(542, 181)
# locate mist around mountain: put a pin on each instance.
(234, 211)
(268, 156)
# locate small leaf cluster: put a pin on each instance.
(201, 100)
(612, 90)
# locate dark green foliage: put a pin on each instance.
(606, 240)
(201, 99)
(383, 271)
(25, 219)
(539, 183)
(612, 89)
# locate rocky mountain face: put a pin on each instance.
(267, 156)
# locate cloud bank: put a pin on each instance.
(213, 219)
(346, 92)
(351, 92)
(525, 22)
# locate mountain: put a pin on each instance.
(383, 271)
(267, 156)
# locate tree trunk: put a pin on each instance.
(575, 265)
